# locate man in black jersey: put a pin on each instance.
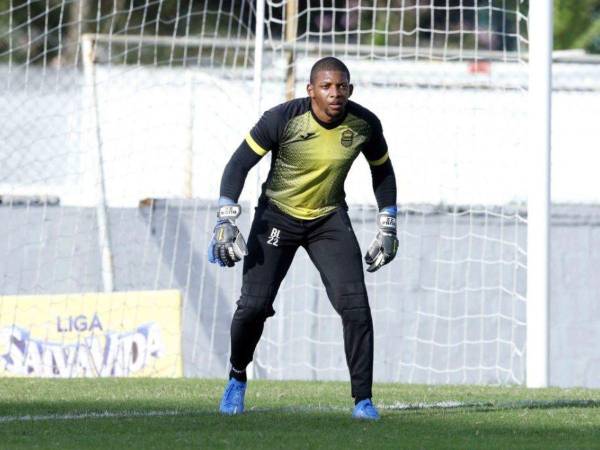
(314, 141)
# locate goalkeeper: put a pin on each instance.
(314, 141)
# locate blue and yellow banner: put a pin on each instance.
(122, 334)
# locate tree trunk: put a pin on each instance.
(81, 16)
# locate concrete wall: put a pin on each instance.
(449, 309)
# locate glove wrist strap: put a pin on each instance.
(386, 222)
(229, 212)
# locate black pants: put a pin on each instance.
(333, 248)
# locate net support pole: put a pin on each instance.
(539, 200)
(257, 83)
(257, 100)
(95, 144)
(82, 16)
(258, 54)
(291, 31)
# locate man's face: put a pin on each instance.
(329, 94)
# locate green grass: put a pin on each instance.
(174, 414)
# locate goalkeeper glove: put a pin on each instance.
(383, 248)
(227, 245)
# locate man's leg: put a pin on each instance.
(334, 250)
(272, 243)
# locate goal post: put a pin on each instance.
(539, 200)
(163, 94)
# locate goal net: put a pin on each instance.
(120, 116)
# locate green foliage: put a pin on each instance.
(23, 21)
(575, 24)
(590, 40)
(37, 31)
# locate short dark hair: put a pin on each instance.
(328, 63)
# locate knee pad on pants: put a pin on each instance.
(356, 315)
(350, 301)
(254, 309)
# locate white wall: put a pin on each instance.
(448, 144)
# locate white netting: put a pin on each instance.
(153, 97)
(448, 81)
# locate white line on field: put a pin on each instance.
(91, 415)
(141, 414)
(437, 405)
(398, 406)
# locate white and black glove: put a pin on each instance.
(227, 245)
(385, 245)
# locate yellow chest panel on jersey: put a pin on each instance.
(311, 165)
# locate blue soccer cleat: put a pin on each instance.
(233, 398)
(365, 410)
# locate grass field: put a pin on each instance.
(174, 414)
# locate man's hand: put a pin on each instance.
(383, 248)
(227, 245)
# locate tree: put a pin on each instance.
(38, 31)
(577, 24)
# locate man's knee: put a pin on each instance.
(360, 315)
(254, 309)
(256, 302)
(351, 302)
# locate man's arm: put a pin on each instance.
(236, 171)
(384, 184)
(227, 245)
(385, 245)
(261, 139)
(382, 171)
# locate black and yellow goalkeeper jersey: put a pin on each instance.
(311, 159)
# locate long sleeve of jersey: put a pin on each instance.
(236, 171)
(384, 184)
(261, 139)
(382, 171)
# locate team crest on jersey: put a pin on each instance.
(347, 138)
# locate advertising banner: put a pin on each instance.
(121, 334)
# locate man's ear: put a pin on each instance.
(350, 90)
(310, 91)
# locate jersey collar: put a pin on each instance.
(328, 126)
